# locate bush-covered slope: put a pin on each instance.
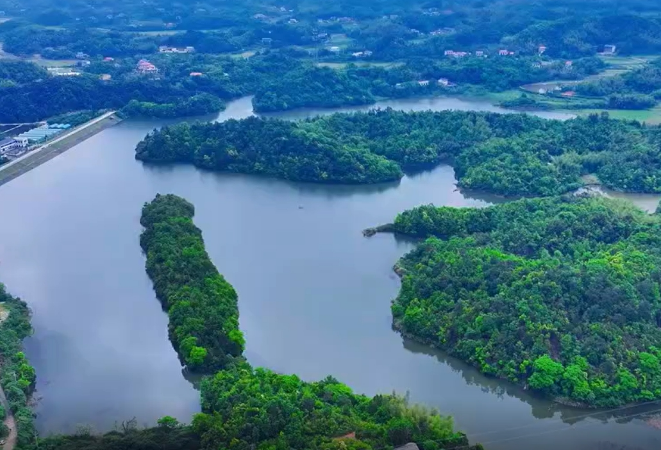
(559, 294)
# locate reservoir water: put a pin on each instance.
(314, 294)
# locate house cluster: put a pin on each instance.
(337, 20)
(609, 50)
(144, 67)
(364, 54)
(12, 146)
(442, 31)
(62, 72)
(444, 82)
(166, 49)
(453, 54)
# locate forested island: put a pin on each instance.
(560, 295)
(511, 154)
(201, 305)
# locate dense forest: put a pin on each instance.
(389, 28)
(268, 147)
(194, 106)
(16, 375)
(511, 154)
(559, 294)
(201, 305)
(246, 408)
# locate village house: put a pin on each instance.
(108, 59)
(267, 41)
(144, 67)
(81, 55)
(480, 53)
(105, 77)
(293, 21)
(536, 65)
(196, 74)
(443, 82)
(609, 49)
(541, 49)
(259, 16)
(62, 72)
(569, 65)
(166, 49)
(423, 83)
(9, 144)
(334, 49)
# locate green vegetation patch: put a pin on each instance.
(201, 305)
(560, 294)
(16, 375)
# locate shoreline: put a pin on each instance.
(50, 150)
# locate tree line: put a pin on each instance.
(507, 154)
(560, 294)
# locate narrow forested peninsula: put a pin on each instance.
(561, 294)
(245, 407)
(511, 154)
(17, 376)
(201, 305)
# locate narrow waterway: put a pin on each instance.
(314, 294)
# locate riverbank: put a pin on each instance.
(50, 150)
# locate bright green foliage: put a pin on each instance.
(202, 306)
(16, 375)
(245, 407)
(562, 294)
(505, 154)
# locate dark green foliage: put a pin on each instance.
(269, 147)
(161, 438)
(20, 72)
(321, 87)
(246, 408)
(16, 375)
(202, 306)
(561, 294)
(194, 106)
(504, 154)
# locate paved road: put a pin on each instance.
(58, 139)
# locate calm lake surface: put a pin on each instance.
(314, 295)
